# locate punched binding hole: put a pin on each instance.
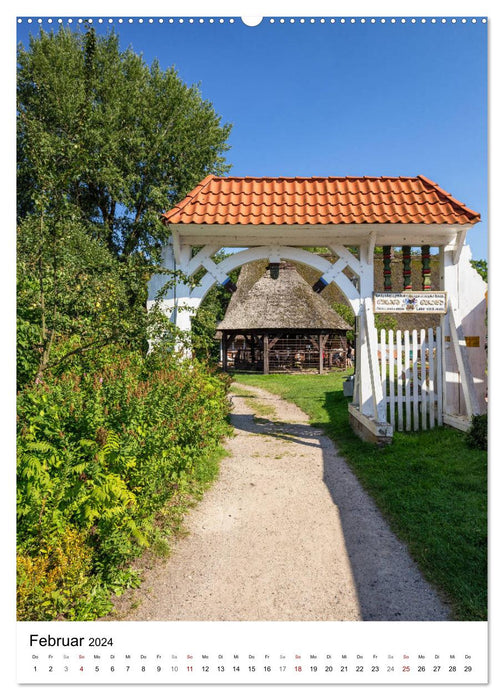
(251, 21)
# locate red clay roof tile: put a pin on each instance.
(319, 200)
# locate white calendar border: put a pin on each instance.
(238, 9)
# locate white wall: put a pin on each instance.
(466, 289)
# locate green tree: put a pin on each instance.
(127, 140)
(73, 295)
(210, 313)
(105, 144)
(386, 323)
(347, 314)
(481, 266)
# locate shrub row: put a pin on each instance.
(99, 454)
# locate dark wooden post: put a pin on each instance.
(406, 255)
(224, 351)
(321, 353)
(426, 272)
(387, 272)
(265, 354)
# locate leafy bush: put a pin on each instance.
(105, 436)
(99, 454)
(384, 322)
(56, 582)
(477, 436)
(347, 314)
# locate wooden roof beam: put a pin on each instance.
(243, 236)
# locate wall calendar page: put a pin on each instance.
(247, 652)
(249, 453)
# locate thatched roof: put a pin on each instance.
(284, 303)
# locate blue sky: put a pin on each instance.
(338, 99)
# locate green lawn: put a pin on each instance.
(429, 485)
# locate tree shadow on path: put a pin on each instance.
(389, 585)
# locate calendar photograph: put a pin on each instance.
(252, 349)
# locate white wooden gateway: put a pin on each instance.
(277, 218)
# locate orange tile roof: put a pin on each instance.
(319, 200)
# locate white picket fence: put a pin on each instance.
(411, 376)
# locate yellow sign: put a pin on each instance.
(472, 341)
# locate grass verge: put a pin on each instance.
(430, 486)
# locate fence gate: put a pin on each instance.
(411, 377)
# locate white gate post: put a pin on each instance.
(368, 412)
(371, 393)
(365, 398)
(451, 379)
(157, 282)
(186, 307)
(175, 302)
(464, 381)
(366, 283)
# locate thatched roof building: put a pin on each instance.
(287, 302)
(277, 322)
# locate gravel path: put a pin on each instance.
(285, 533)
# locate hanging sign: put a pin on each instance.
(410, 302)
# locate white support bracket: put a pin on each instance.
(274, 256)
(201, 257)
(175, 241)
(215, 271)
(459, 244)
(370, 247)
(350, 260)
(333, 272)
(460, 349)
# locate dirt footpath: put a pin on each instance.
(285, 533)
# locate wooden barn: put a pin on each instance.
(277, 323)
